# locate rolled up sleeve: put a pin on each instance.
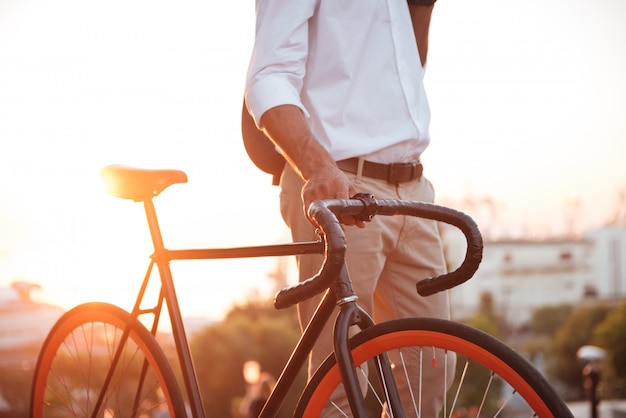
(278, 61)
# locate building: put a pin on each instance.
(523, 275)
(609, 261)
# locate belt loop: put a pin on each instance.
(359, 170)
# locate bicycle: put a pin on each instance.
(101, 361)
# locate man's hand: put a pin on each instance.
(287, 128)
(332, 184)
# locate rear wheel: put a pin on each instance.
(461, 368)
(75, 360)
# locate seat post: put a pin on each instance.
(153, 224)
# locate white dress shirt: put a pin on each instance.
(353, 68)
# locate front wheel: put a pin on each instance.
(441, 368)
(77, 356)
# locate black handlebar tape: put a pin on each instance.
(473, 254)
(324, 215)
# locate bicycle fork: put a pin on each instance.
(350, 313)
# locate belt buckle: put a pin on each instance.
(397, 172)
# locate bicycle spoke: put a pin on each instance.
(482, 402)
(478, 373)
(410, 386)
(78, 356)
(461, 382)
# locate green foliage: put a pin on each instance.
(546, 321)
(255, 331)
(543, 326)
(256, 309)
(485, 322)
(575, 332)
(610, 334)
(486, 319)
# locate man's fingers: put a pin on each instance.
(351, 221)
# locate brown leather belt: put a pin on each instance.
(394, 173)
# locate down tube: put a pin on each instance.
(299, 356)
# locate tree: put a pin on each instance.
(577, 331)
(547, 320)
(543, 326)
(254, 331)
(486, 319)
(610, 334)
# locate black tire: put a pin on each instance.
(75, 359)
(509, 385)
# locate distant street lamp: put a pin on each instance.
(259, 386)
(251, 372)
(592, 372)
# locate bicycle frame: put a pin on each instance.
(53, 389)
(342, 295)
(141, 185)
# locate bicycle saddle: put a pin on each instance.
(139, 184)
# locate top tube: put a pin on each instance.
(277, 250)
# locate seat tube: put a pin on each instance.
(178, 329)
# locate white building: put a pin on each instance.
(523, 275)
(609, 261)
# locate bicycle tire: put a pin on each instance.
(523, 381)
(75, 358)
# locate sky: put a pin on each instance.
(528, 102)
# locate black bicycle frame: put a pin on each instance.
(341, 295)
(142, 185)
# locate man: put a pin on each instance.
(338, 87)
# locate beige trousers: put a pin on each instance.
(385, 259)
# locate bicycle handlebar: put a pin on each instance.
(324, 214)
